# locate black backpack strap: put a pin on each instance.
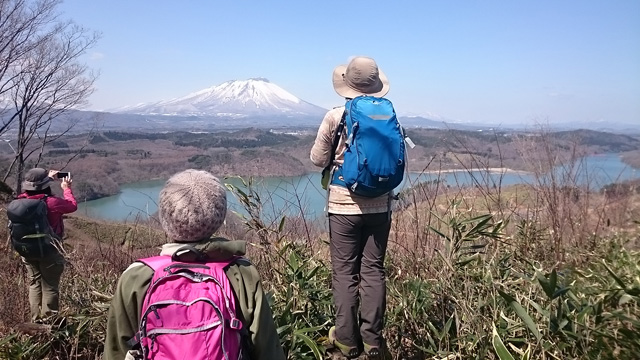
(53, 232)
(134, 342)
(336, 140)
(197, 255)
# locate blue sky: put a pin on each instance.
(471, 61)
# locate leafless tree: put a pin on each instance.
(41, 76)
(21, 23)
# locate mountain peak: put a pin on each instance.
(234, 98)
(247, 81)
(260, 79)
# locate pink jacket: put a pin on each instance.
(56, 207)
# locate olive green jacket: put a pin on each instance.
(124, 313)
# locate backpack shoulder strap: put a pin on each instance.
(327, 171)
(336, 140)
(224, 264)
(156, 262)
(46, 206)
(160, 262)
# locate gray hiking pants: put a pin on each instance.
(358, 245)
(44, 281)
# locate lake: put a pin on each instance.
(287, 195)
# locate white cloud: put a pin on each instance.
(96, 55)
(557, 92)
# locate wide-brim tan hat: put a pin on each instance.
(360, 77)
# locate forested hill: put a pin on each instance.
(610, 142)
(100, 162)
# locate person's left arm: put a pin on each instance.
(68, 203)
(256, 312)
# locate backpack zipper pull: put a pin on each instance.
(154, 309)
(406, 138)
(409, 142)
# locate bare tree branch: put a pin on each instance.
(41, 78)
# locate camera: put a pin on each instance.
(62, 175)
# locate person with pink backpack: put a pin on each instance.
(200, 298)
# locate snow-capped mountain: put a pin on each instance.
(240, 98)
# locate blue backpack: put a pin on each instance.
(374, 159)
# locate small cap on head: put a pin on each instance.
(36, 179)
(192, 206)
(360, 77)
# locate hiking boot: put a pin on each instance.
(348, 351)
(377, 352)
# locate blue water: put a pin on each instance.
(288, 195)
(278, 194)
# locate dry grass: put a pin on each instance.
(440, 303)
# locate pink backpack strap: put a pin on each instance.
(162, 261)
(157, 262)
(222, 264)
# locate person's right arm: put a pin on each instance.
(321, 150)
(124, 312)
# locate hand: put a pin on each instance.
(52, 173)
(66, 183)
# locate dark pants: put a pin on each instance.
(44, 281)
(358, 246)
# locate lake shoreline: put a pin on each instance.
(500, 170)
(287, 190)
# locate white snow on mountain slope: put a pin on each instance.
(238, 98)
(427, 115)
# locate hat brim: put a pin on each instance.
(35, 186)
(344, 90)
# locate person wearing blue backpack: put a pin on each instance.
(361, 148)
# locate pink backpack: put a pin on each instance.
(189, 312)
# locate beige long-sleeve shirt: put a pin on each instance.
(341, 200)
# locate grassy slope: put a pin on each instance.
(558, 227)
(424, 285)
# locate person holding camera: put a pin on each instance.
(45, 273)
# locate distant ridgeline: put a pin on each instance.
(239, 139)
(252, 137)
(248, 138)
